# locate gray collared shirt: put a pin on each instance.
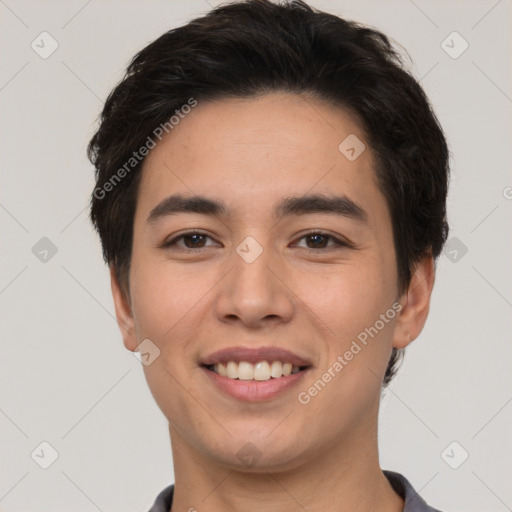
(413, 502)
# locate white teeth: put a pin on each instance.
(221, 369)
(245, 371)
(260, 371)
(232, 370)
(276, 370)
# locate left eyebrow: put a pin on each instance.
(297, 205)
(316, 203)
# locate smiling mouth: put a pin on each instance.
(260, 371)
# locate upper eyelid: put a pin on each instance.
(338, 240)
(174, 239)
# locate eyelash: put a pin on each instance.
(337, 242)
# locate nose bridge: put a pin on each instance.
(253, 292)
(251, 262)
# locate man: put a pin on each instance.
(271, 200)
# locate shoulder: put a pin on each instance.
(413, 502)
(163, 501)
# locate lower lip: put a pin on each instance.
(254, 390)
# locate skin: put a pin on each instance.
(250, 153)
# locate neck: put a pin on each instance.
(346, 477)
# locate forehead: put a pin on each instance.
(256, 150)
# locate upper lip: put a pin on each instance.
(254, 355)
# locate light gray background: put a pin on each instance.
(65, 375)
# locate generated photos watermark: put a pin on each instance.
(143, 151)
(337, 366)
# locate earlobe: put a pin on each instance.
(123, 312)
(415, 303)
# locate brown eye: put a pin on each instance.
(318, 240)
(192, 240)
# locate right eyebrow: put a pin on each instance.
(177, 203)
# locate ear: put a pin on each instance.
(415, 303)
(123, 312)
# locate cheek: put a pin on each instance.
(347, 382)
(167, 310)
(347, 299)
(163, 297)
(350, 302)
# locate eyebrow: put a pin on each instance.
(299, 205)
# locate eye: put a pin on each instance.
(191, 240)
(315, 241)
(319, 240)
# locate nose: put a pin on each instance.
(255, 293)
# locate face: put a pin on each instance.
(295, 265)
